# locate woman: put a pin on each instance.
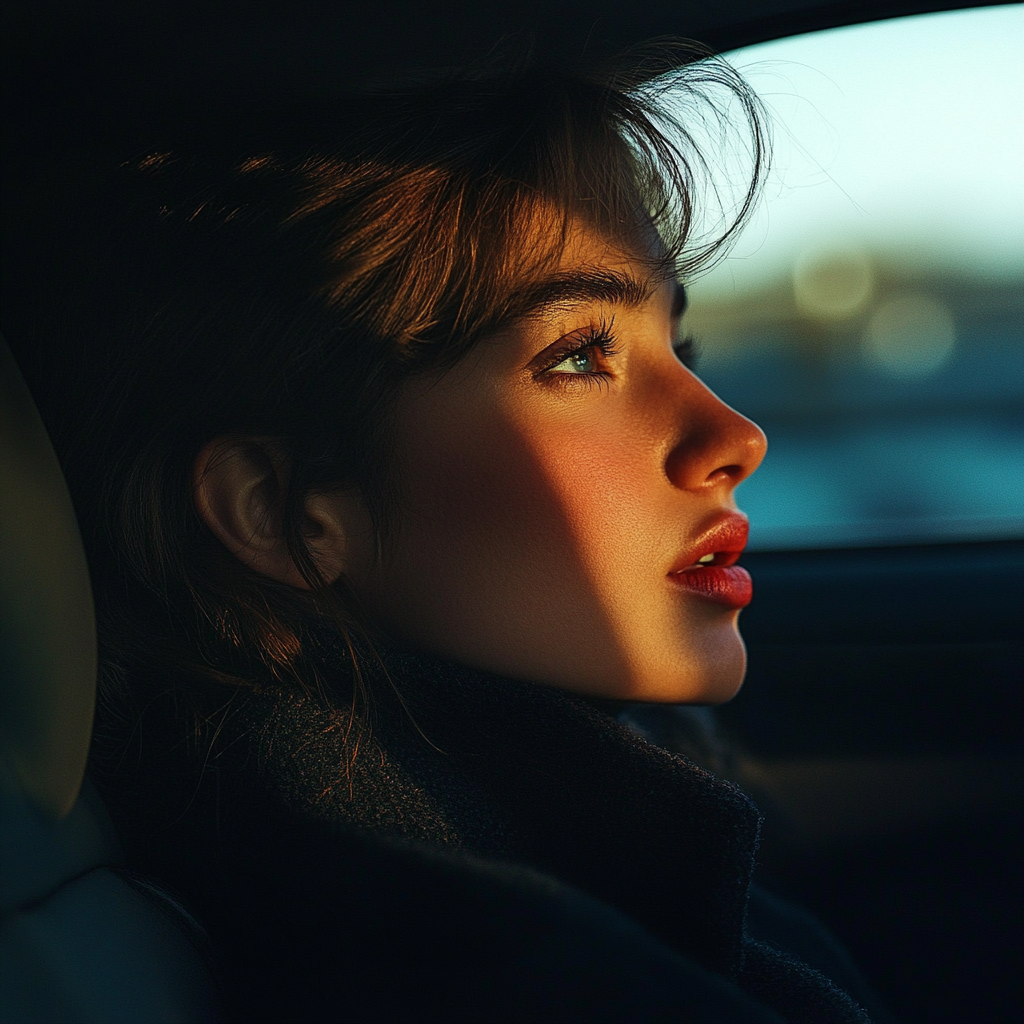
(396, 484)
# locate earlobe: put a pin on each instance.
(239, 488)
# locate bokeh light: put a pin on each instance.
(909, 335)
(832, 285)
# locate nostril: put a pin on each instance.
(725, 473)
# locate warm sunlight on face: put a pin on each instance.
(568, 513)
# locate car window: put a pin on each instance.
(870, 316)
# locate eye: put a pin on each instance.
(584, 355)
(583, 360)
(687, 351)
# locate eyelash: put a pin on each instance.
(687, 351)
(598, 338)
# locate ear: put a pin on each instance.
(239, 487)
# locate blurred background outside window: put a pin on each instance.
(871, 317)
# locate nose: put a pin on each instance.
(716, 446)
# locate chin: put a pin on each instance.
(721, 689)
(710, 672)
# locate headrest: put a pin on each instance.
(47, 623)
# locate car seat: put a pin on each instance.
(82, 939)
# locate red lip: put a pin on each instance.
(720, 579)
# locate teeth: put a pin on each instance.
(706, 559)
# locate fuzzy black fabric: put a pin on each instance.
(496, 850)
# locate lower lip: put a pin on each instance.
(729, 585)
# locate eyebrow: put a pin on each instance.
(579, 287)
(585, 286)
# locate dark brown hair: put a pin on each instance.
(279, 275)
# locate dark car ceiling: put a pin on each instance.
(81, 70)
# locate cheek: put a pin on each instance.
(507, 504)
(600, 475)
(476, 490)
(536, 483)
(489, 564)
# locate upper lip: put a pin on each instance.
(725, 539)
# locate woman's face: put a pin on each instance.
(561, 486)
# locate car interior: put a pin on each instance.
(880, 725)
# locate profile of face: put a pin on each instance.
(567, 512)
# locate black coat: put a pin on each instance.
(494, 851)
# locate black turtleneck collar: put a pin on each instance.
(505, 775)
(456, 757)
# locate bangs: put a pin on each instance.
(432, 211)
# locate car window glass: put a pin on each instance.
(870, 316)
